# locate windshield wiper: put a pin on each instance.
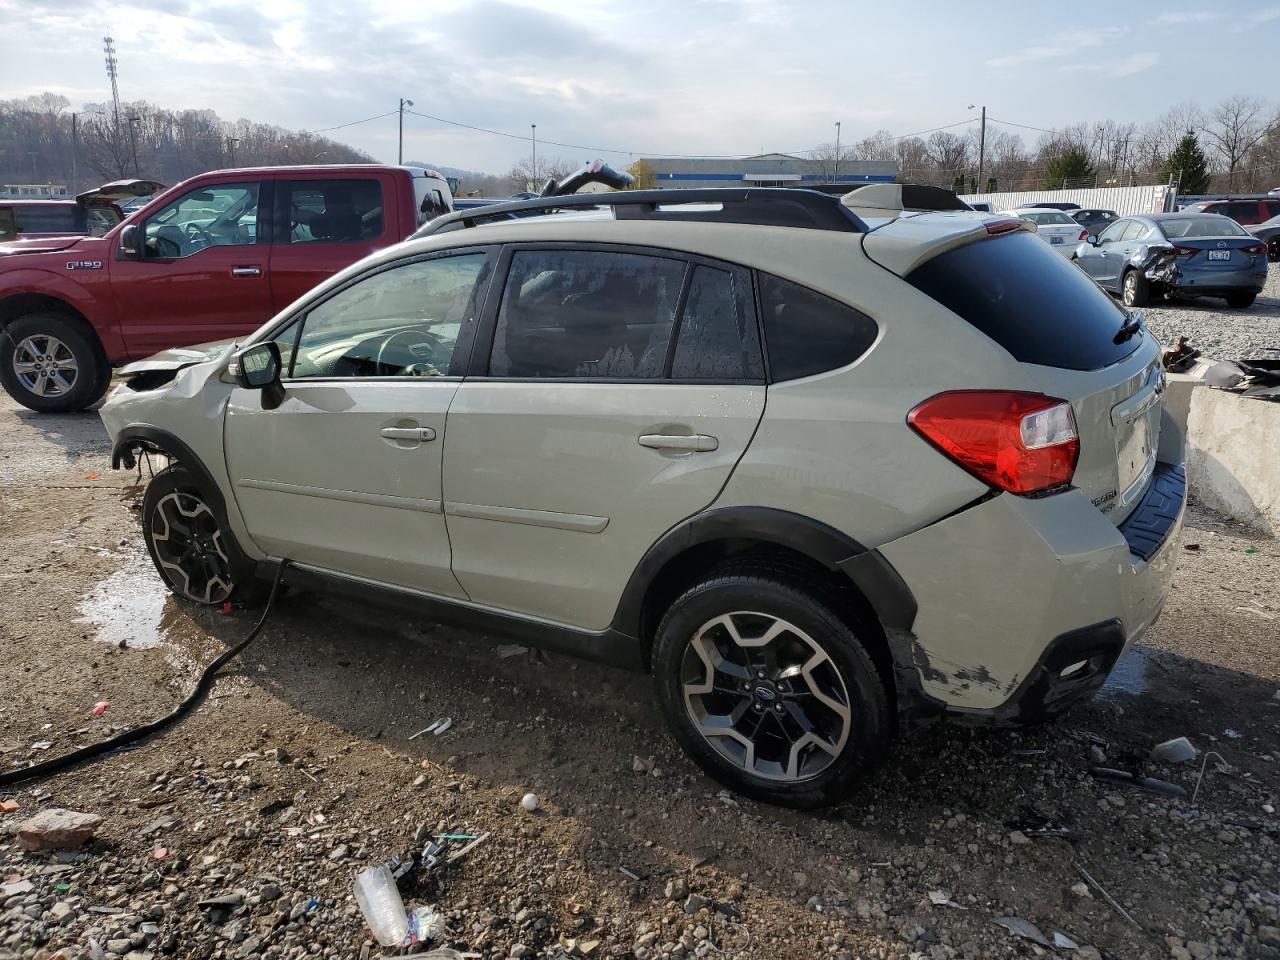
(1127, 330)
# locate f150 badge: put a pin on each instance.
(84, 264)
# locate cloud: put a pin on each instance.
(1066, 45)
(1134, 63)
(1187, 16)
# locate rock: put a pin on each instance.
(57, 829)
(269, 892)
(1198, 950)
(1088, 953)
(587, 947)
(1082, 890)
(119, 946)
(677, 888)
(519, 951)
(1269, 935)
(694, 903)
(340, 852)
(420, 781)
(1019, 839)
(61, 910)
(800, 880)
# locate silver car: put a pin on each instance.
(1161, 255)
(827, 469)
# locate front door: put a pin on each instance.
(1104, 261)
(203, 275)
(344, 475)
(617, 390)
(323, 226)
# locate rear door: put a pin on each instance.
(203, 275)
(325, 223)
(614, 390)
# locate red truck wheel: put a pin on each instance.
(51, 364)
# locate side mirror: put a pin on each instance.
(1091, 239)
(131, 239)
(258, 368)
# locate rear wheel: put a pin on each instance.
(1135, 291)
(1273, 250)
(768, 688)
(185, 540)
(1241, 301)
(52, 364)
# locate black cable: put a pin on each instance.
(147, 729)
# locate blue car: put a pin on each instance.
(1175, 255)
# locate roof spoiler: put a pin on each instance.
(892, 199)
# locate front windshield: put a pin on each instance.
(1204, 225)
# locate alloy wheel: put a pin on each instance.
(765, 696)
(45, 365)
(189, 549)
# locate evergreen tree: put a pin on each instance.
(1187, 165)
(1071, 167)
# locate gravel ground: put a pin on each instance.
(1217, 330)
(238, 832)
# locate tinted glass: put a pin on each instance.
(1050, 217)
(1240, 212)
(1204, 225)
(1115, 231)
(334, 211)
(1271, 208)
(806, 332)
(718, 338)
(60, 218)
(217, 216)
(1030, 300)
(401, 322)
(586, 314)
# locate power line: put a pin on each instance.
(352, 123)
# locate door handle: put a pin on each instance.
(698, 443)
(246, 271)
(408, 433)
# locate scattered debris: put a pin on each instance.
(1232, 734)
(9, 806)
(641, 765)
(629, 874)
(42, 745)
(1204, 763)
(530, 802)
(101, 707)
(507, 650)
(1024, 929)
(1181, 358)
(940, 898)
(1178, 750)
(1129, 778)
(1105, 896)
(425, 925)
(1063, 942)
(1191, 546)
(379, 901)
(459, 854)
(1035, 824)
(57, 829)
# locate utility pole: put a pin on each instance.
(231, 148)
(835, 174)
(982, 152)
(74, 178)
(533, 170)
(400, 153)
(133, 143)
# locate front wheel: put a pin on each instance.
(52, 364)
(1135, 291)
(768, 688)
(1241, 301)
(187, 544)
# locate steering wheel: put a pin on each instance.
(198, 234)
(419, 337)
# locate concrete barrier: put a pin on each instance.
(1233, 456)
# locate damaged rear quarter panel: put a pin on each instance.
(997, 583)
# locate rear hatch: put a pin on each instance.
(1063, 331)
(118, 190)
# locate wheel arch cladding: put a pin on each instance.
(146, 438)
(878, 595)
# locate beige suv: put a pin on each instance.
(827, 468)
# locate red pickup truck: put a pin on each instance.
(211, 258)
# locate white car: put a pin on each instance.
(1053, 227)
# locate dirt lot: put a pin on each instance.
(337, 690)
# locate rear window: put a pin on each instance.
(1028, 299)
(1205, 225)
(63, 218)
(1048, 218)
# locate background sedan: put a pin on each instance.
(1095, 221)
(1176, 254)
(1269, 233)
(1053, 227)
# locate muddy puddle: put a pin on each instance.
(129, 606)
(1131, 675)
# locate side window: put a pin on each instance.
(1135, 230)
(718, 339)
(430, 200)
(1240, 212)
(586, 314)
(400, 322)
(1271, 208)
(334, 211)
(1114, 231)
(218, 216)
(806, 332)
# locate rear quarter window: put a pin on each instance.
(807, 332)
(1028, 299)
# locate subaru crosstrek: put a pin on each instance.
(827, 468)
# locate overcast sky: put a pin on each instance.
(643, 77)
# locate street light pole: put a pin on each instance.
(231, 148)
(533, 170)
(133, 142)
(835, 176)
(74, 178)
(982, 152)
(400, 152)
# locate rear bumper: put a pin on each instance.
(1216, 284)
(1024, 605)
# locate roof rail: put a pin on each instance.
(763, 206)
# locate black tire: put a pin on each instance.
(1135, 291)
(30, 343)
(207, 556)
(1273, 250)
(746, 592)
(1241, 301)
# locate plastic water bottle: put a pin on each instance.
(381, 905)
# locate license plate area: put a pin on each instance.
(1135, 458)
(1055, 240)
(1219, 254)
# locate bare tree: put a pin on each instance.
(879, 146)
(825, 156)
(1235, 126)
(525, 176)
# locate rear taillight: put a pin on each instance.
(1083, 234)
(996, 227)
(1260, 248)
(1185, 251)
(1019, 442)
